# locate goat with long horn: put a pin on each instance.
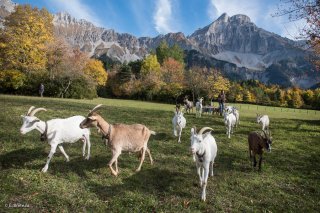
(204, 148)
(56, 131)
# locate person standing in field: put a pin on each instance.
(41, 89)
(221, 100)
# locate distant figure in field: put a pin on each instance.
(41, 89)
(221, 100)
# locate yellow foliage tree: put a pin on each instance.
(151, 66)
(22, 42)
(215, 83)
(248, 97)
(11, 79)
(95, 70)
(239, 97)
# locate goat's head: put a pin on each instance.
(258, 118)
(267, 141)
(197, 139)
(91, 119)
(178, 107)
(29, 121)
(179, 116)
(228, 109)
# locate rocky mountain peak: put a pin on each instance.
(240, 19)
(223, 18)
(65, 19)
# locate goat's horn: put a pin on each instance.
(265, 134)
(195, 129)
(37, 110)
(204, 129)
(96, 108)
(30, 109)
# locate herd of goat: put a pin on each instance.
(135, 137)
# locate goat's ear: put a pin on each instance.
(92, 118)
(22, 116)
(192, 131)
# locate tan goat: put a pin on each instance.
(120, 137)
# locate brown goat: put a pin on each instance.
(120, 137)
(257, 141)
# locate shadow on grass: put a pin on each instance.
(155, 181)
(161, 137)
(18, 158)
(79, 165)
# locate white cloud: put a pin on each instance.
(233, 7)
(212, 11)
(140, 14)
(163, 16)
(282, 25)
(77, 9)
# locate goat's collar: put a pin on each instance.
(44, 136)
(107, 135)
(200, 157)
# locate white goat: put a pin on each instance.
(56, 131)
(120, 137)
(235, 111)
(204, 147)
(199, 107)
(179, 122)
(264, 121)
(229, 121)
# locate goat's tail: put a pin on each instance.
(152, 132)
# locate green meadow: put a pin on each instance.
(289, 180)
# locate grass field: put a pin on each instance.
(289, 181)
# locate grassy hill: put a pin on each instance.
(289, 181)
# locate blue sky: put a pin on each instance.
(154, 17)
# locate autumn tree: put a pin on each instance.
(95, 71)
(308, 96)
(215, 83)
(57, 53)
(69, 68)
(195, 79)
(11, 80)
(23, 39)
(151, 66)
(151, 76)
(173, 77)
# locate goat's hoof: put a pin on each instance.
(67, 160)
(44, 169)
(114, 174)
(138, 170)
(87, 158)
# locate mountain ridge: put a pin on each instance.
(244, 49)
